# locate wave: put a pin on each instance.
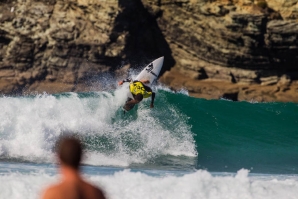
(180, 132)
(118, 184)
(261, 137)
(29, 127)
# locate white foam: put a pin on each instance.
(130, 185)
(29, 128)
(183, 91)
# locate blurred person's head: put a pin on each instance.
(69, 150)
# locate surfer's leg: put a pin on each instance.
(128, 100)
(127, 105)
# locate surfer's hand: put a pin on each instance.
(120, 83)
(151, 105)
(145, 81)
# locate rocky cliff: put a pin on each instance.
(237, 49)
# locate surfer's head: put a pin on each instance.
(138, 97)
(69, 151)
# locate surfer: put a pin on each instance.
(69, 152)
(139, 91)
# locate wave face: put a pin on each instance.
(29, 127)
(180, 132)
(261, 137)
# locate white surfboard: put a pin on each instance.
(150, 73)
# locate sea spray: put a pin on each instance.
(31, 125)
(180, 132)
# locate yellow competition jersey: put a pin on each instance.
(138, 88)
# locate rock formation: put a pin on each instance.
(236, 49)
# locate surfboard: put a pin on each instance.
(151, 71)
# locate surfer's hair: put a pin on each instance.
(69, 150)
(139, 97)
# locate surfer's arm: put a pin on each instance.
(152, 100)
(125, 80)
(148, 89)
(145, 81)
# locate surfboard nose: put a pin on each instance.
(161, 58)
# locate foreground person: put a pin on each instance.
(72, 186)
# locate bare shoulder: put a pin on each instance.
(94, 191)
(77, 189)
(50, 192)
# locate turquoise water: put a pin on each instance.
(230, 135)
(247, 146)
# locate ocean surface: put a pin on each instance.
(184, 147)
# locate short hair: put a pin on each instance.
(69, 150)
(139, 97)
